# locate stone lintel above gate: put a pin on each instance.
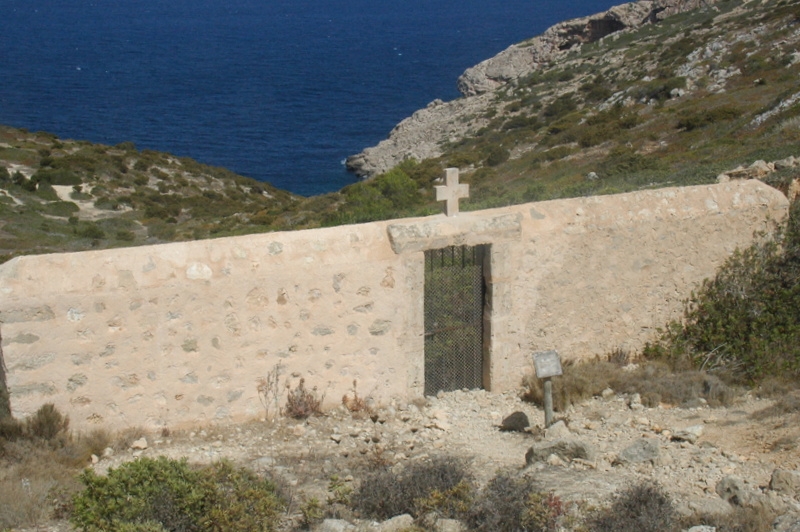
(469, 229)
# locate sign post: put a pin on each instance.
(547, 364)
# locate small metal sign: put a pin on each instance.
(547, 364)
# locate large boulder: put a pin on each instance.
(641, 451)
(566, 449)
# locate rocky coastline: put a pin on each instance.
(424, 133)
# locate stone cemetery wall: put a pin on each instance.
(182, 334)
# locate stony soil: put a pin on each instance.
(741, 441)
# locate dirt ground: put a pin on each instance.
(743, 441)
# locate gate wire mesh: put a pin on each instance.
(454, 295)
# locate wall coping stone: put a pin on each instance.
(466, 229)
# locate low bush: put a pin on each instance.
(149, 493)
(47, 423)
(692, 121)
(739, 519)
(745, 322)
(643, 507)
(514, 503)
(301, 402)
(384, 493)
(496, 155)
(655, 382)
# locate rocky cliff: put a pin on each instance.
(423, 134)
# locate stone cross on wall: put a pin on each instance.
(451, 192)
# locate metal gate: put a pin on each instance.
(454, 296)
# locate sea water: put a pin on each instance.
(278, 90)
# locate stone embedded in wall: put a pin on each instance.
(76, 381)
(126, 280)
(108, 350)
(364, 291)
(388, 278)
(257, 297)
(275, 248)
(35, 361)
(232, 324)
(365, 308)
(189, 378)
(380, 327)
(22, 315)
(75, 315)
(81, 400)
(352, 329)
(40, 388)
(234, 395)
(337, 282)
(23, 338)
(80, 359)
(199, 271)
(205, 400)
(126, 381)
(322, 330)
(314, 294)
(283, 297)
(190, 345)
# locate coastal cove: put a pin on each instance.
(278, 91)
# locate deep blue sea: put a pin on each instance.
(278, 90)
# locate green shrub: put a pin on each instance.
(746, 320)
(149, 493)
(660, 88)
(92, 231)
(56, 177)
(707, 117)
(623, 161)
(514, 503)
(64, 209)
(519, 122)
(643, 507)
(384, 494)
(560, 106)
(47, 423)
(495, 155)
(302, 402)
(125, 235)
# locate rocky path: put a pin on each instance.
(689, 451)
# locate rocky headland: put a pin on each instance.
(424, 134)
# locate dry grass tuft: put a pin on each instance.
(301, 402)
(785, 405)
(127, 436)
(36, 481)
(357, 405)
(739, 519)
(653, 381)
